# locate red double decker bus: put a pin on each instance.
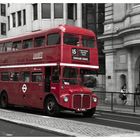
(44, 70)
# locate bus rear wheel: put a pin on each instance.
(3, 100)
(51, 107)
(89, 113)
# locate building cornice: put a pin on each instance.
(120, 32)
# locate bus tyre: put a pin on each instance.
(89, 113)
(3, 100)
(51, 107)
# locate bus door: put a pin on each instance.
(55, 81)
(47, 79)
(35, 96)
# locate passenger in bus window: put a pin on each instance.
(14, 48)
(78, 43)
(27, 79)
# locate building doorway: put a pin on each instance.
(137, 72)
(137, 80)
(122, 79)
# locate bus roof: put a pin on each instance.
(63, 28)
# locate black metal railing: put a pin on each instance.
(112, 101)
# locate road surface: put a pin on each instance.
(8, 129)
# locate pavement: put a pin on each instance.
(125, 109)
(65, 126)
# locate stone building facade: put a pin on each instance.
(3, 21)
(28, 17)
(122, 46)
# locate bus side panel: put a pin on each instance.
(12, 90)
(34, 95)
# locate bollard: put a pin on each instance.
(111, 101)
(134, 103)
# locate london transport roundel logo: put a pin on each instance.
(24, 88)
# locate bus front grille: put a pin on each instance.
(81, 101)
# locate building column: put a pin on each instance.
(110, 75)
(79, 14)
(29, 17)
(52, 15)
(130, 76)
(110, 78)
(130, 81)
(65, 13)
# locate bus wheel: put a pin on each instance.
(4, 100)
(89, 113)
(51, 107)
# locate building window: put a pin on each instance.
(19, 18)
(72, 11)
(89, 16)
(24, 17)
(58, 10)
(8, 22)
(35, 11)
(14, 19)
(3, 10)
(46, 10)
(3, 28)
(101, 19)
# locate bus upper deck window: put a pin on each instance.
(88, 42)
(1, 47)
(53, 39)
(40, 41)
(17, 46)
(71, 39)
(27, 43)
(8, 46)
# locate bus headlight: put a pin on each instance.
(66, 99)
(94, 99)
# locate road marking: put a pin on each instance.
(96, 114)
(111, 114)
(118, 121)
(9, 135)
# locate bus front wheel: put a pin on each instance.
(51, 106)
(89, 113)
(3, 100)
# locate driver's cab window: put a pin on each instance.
(55, 75)
(70, 76)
